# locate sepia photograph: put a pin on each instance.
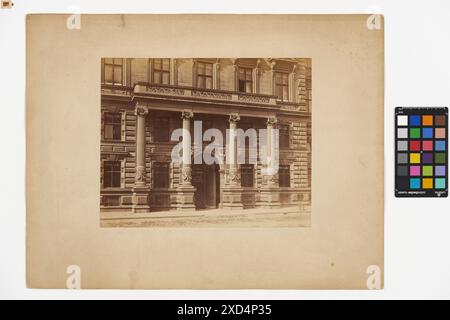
(211, 142)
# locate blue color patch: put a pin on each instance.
(414, 183)
(439, 145)
(415, 120)
(427, 132)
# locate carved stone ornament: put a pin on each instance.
(272, 121)
(235, 176)
(140, 174)
(165, 90)
(273, 178)
(186, 114)
(211, 95)
(141, 111)
(234, 117)
(186, 174)
(254, 99)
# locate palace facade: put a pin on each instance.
(144, 100)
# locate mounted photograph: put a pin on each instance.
(216, 142)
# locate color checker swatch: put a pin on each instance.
(421, 152)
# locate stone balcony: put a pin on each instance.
(209, 94)
(146, 90)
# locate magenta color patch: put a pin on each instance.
(414, 171)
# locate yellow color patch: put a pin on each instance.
(427, 183)
(414, 158)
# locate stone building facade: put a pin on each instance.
(144, 100)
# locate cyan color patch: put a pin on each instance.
(414, 183)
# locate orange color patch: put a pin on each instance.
(427, 120)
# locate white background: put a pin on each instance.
(417, 73)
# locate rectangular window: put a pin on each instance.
(284, 176)
(111, 174)
(204, 75)
(161, 130)
(113, 71)
(284, 135)
(161, 71)
(282, 86)
(160, 175)
(112, 126)
(247, 175)
(245, 81)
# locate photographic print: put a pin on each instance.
(205, 142)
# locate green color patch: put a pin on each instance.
(414, 133)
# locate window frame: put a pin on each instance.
(116, 168)
(284, 175)
(204, 76)
(280, 84)
(245, 80)
(119, 124)
(161, 71)
(114, 66)
(284, 143)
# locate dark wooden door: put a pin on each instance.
(198, 181)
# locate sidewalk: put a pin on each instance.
(282, 217)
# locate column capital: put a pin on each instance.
(294, 68)
(187, 114)
(234, 118)
(272, 63)
(141, 110)
(271, 121)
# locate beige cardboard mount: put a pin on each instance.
(343, 248)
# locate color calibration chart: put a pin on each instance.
(421, 152)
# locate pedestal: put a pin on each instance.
(139, 199)
(270, 197)
(185, 198)
(232, 198)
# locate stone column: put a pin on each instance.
(186, 168)
(272, 176)
(232, 152)
(185, 195)
(140, 189)
(270, 192)
(232, 192)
